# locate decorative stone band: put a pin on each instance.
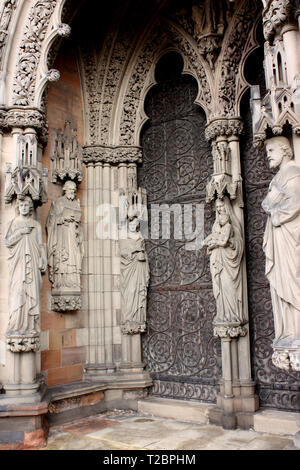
(275, 16)
(23, 342)
(287, 358)
(111, 154)
(229, 331)
(65, 303)
(133, 328)
(223, 126)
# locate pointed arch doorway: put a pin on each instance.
(179, 348)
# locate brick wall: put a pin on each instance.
(64, 336)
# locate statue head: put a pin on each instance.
(69, 190)
(133, 224)
(279, 151)
(24, 206)
(220, 207)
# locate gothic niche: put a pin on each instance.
(64, 228)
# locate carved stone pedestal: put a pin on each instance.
(65, 301)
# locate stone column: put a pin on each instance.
(111, 354)
(25, 185)
(236, 401)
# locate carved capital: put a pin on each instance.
(226, 127)
(111, 154)
(23, 342)
(25, 117)
(275, 16)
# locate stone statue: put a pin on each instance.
(134, 279)
(282, 242)
(27, 260)
(210, 17)
(225, 247)
(65, 244)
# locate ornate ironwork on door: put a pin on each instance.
(179, 347)
(276, 388)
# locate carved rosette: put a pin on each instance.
(23, 342)
(111, 154)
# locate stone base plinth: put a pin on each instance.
(236, 410)
(22, 422)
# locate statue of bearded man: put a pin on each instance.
(65, 241)
(282, 242)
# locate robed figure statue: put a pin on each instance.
(282, 242)
(65, 247)
(134, 279)
(26, 262)
(225, 247)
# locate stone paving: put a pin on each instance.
(120, 430)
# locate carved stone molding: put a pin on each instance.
(229, 331)
(111, 154)
(275, 16)
(30, 51)
(232, 54)
(6, 14)
(28, 342)
(223, 127)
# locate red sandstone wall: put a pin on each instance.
(62, 359)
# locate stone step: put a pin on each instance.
(191, 412)
(276, 422)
